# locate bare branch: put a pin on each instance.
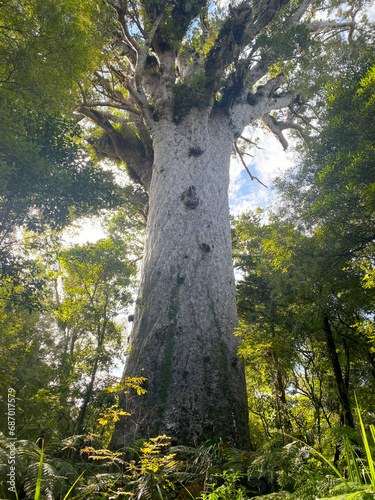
(135, 17)
(272, 124)
(124, 26)
(252, 177)
(304, 119)
(319, 26)
(249, 141)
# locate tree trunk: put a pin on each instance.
(101, 330)
(346, 416)
(86, 399)
(182, 338)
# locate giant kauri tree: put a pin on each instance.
(182, 80)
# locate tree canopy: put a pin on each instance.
(244, 62)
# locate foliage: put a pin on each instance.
(96, 280)
(26, 345)
(153, 469)
(47, 47)
(305, 298)
(39, 474)
(230, 489)
(47, 180)
(47, 177)
(58, 357)
(333, 187)
(300, 272)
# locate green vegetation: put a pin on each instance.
(305, 298)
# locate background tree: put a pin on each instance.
(59, 356)
(333, 187)
(47, 47)
(48, 178)
(96, 291)
(307, 270)
(297, 314)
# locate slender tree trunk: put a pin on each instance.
(182, 339)
(346, 416)
(371, 361)
(101, 329)
(279, 382)
(86, 399)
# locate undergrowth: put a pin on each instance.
(155, 470)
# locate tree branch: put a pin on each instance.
(300, 12)
(111, 104)
(125, 146)
(319, 26)
(143, 53)
(252, 177)
(251, 107)
(277, 127)
(124, 27)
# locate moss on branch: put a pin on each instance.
(189, 93)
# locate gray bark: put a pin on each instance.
(183, 339)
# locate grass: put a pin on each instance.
(40, 479)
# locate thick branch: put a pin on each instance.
(277, 127)
(300, 12)
(227, 46)
(265, 15)
(319, 26)
(143, 53)
(251, 107)
(128, 52)
(125, 146)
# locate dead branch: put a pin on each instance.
(252, 177)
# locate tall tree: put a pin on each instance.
(179, 86)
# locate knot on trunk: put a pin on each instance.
(189, 198)
(204, 247)
(195, 152)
